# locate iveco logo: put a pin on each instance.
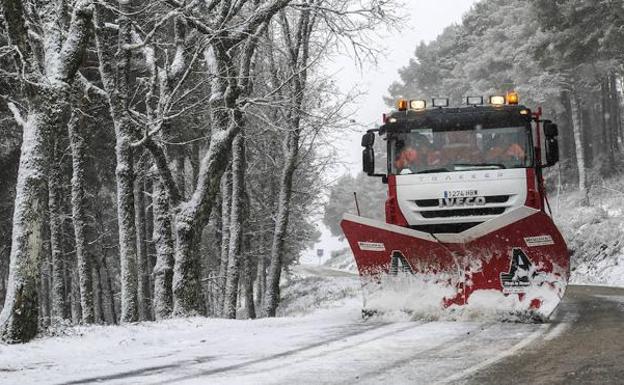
(460, 201)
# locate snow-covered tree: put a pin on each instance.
(46, 57)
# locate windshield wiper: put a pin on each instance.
(432, 170)
(496, 165)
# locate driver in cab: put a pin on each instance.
(416, 154)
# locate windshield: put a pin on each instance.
(422, 150)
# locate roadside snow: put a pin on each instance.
(342, 260)
(148, 349)
(314, 287)
(320, 337)
(330, 344)
(595, 234)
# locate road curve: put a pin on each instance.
(585, 347)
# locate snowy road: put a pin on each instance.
(334, 346)
(587, 344)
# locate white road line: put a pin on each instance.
(556, 331)
(565, 323)
(473, 369)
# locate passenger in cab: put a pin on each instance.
(505, 149)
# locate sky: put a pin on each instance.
(424, 20)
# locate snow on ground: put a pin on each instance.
(342, 260)
(321, 339)
(595, 234)
(312, 287)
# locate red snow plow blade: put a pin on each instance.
(515, 266)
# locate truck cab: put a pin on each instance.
(452, 168)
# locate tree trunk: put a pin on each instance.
(236, 227)
(226, 210)
(248, 280)
(188, 298)
(127, 229)
(298, 55)
(19, 316)
(260, 281)
(46, 93)
(149, 238)
(98, 305)
(163, 271)
(578, 143)
(44, 295)
(108, 296)
(79, 217)
(606, 125)
(56, 231)
(114, 65)
(142, 263)
(568, 149)
(615, 118)
(272, 294)
(76, 308)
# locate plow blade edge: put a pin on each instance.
(516, 265)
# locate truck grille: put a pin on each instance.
(488, 199)
(446, 228)
(481, 211)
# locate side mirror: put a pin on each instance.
(552, 151)
(368, 160)
(551, 131)
(368, 139)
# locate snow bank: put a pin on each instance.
(342, 260)
(595, 235)
(311, 288)
(148, 351)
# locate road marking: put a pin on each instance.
(556, 331)
(565, 323)
(473, 369)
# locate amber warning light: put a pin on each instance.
(513, 98)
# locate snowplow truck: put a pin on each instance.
(468, 227)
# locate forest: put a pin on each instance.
(566, 56)
(166, 159)
(161, 159)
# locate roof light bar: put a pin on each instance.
(474, 100)
(497, 100)
(440, 102)
(418, 105)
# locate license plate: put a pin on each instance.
(461, 193)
